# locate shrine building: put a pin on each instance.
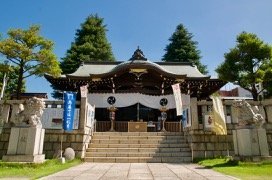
(138, 89)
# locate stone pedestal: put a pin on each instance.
(250, 143)
(25, 145)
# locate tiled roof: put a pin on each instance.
(98, 68)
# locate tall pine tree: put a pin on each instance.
(183, 49)
(31, 53)
(90, 45)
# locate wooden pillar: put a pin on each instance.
(83, 113)
(194, 113)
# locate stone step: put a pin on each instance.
(129, 147)
(138, 159)
(136, 141)
(139, 154)
(108, 137)
(92, 145)
(139, 133)
(138, 149)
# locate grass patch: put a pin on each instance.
(34, 171)
(242, 170)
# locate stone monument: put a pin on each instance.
(27, 135)
(249, 138)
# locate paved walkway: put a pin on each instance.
(133, 171)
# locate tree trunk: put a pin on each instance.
(20, 82)
(254, 93)
(255, 96)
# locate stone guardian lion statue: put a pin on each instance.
(247, 114)
(31, 112)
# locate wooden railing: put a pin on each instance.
(102, 126)
(122, 126)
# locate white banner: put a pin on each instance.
(177, 95)
(220, 127)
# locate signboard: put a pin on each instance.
(90, 115)
(84, 91)
(209, 121)
(69, 109)
(52, 118)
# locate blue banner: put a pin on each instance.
(184, 118)
(69, 109)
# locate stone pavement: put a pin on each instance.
(133, 171)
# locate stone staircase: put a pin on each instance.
(138, 147)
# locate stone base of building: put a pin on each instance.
(253, 158)
(24, 158)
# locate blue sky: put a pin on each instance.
(145, 23)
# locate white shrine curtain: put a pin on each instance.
(128, 99)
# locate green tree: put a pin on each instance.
(11, 79)
(267, 81)
(90, 44)
(247, 63)
(183, 49)
(31, 53)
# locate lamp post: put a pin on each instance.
(112, 110)
(111, 100)
(163, 109)
(163, 117)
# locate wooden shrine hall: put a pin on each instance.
(138, 91)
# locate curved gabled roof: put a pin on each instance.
(102, 69)
(138, 75)
(85, 69)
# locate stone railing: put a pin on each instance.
(78, 139)
(205, 143)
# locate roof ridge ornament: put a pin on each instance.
(138, 55)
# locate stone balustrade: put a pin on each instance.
(203, 142)
(77, 139)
